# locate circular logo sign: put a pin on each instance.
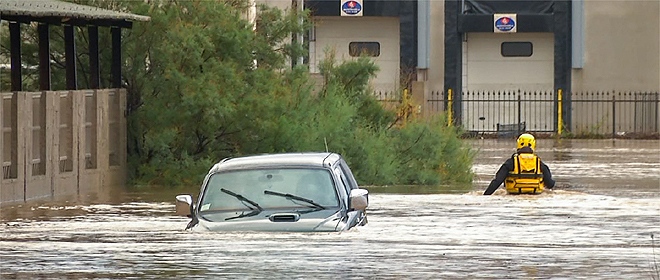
(351, 7)
(505, 24)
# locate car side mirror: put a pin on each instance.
(359, 199)
(184, 205)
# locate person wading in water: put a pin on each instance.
(523, 172)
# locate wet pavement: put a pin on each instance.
(602, 222)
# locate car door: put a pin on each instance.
(349, 183)
(343, 187)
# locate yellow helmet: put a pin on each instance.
(526, 139)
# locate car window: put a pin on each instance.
(342, 182)
(349, 175)
(314, 184)
(317, 186)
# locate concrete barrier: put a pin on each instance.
(62, 145)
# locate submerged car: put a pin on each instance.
(278, 192)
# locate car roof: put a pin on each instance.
(317, 159)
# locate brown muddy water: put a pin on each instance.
(603, 222)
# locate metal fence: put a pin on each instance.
(589, 113)
(389, 99)
(435, 103)
(615, 113)
(484, 112)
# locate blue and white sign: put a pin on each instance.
(504, 23)
(351, 8)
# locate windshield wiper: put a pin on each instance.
(295, 197)
(243, 199)
(243, 215)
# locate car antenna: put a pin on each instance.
(325, 140)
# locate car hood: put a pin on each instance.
(291, 220)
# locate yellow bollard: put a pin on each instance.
(560, 123)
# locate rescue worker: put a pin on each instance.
(524, 172)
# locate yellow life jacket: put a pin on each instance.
(526, 176)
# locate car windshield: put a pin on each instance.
(238, 190)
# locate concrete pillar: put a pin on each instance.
(102, 129)
(65, 149)
(88, 144)
(12, 189)
(418, 98)
(2, 136)
(38, 147)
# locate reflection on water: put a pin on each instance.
(595, 228)
(561, 150)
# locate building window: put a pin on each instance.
(517, 49)
(364, 49)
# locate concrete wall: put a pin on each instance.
(332, 37)
(435, 76)
(67, 145)
(280, 4)
(622, 46)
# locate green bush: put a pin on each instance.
(211, 101)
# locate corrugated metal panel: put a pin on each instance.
(54, 8)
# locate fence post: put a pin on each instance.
(613, 115)
(560, 117)
(657, 101)
(450, 107)
(519, 115)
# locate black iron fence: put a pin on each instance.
(488, 112)
(389, 99)
(615, 113)
(583, 113)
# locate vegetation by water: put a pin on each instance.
(203, 84)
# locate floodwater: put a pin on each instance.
(602, 222)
